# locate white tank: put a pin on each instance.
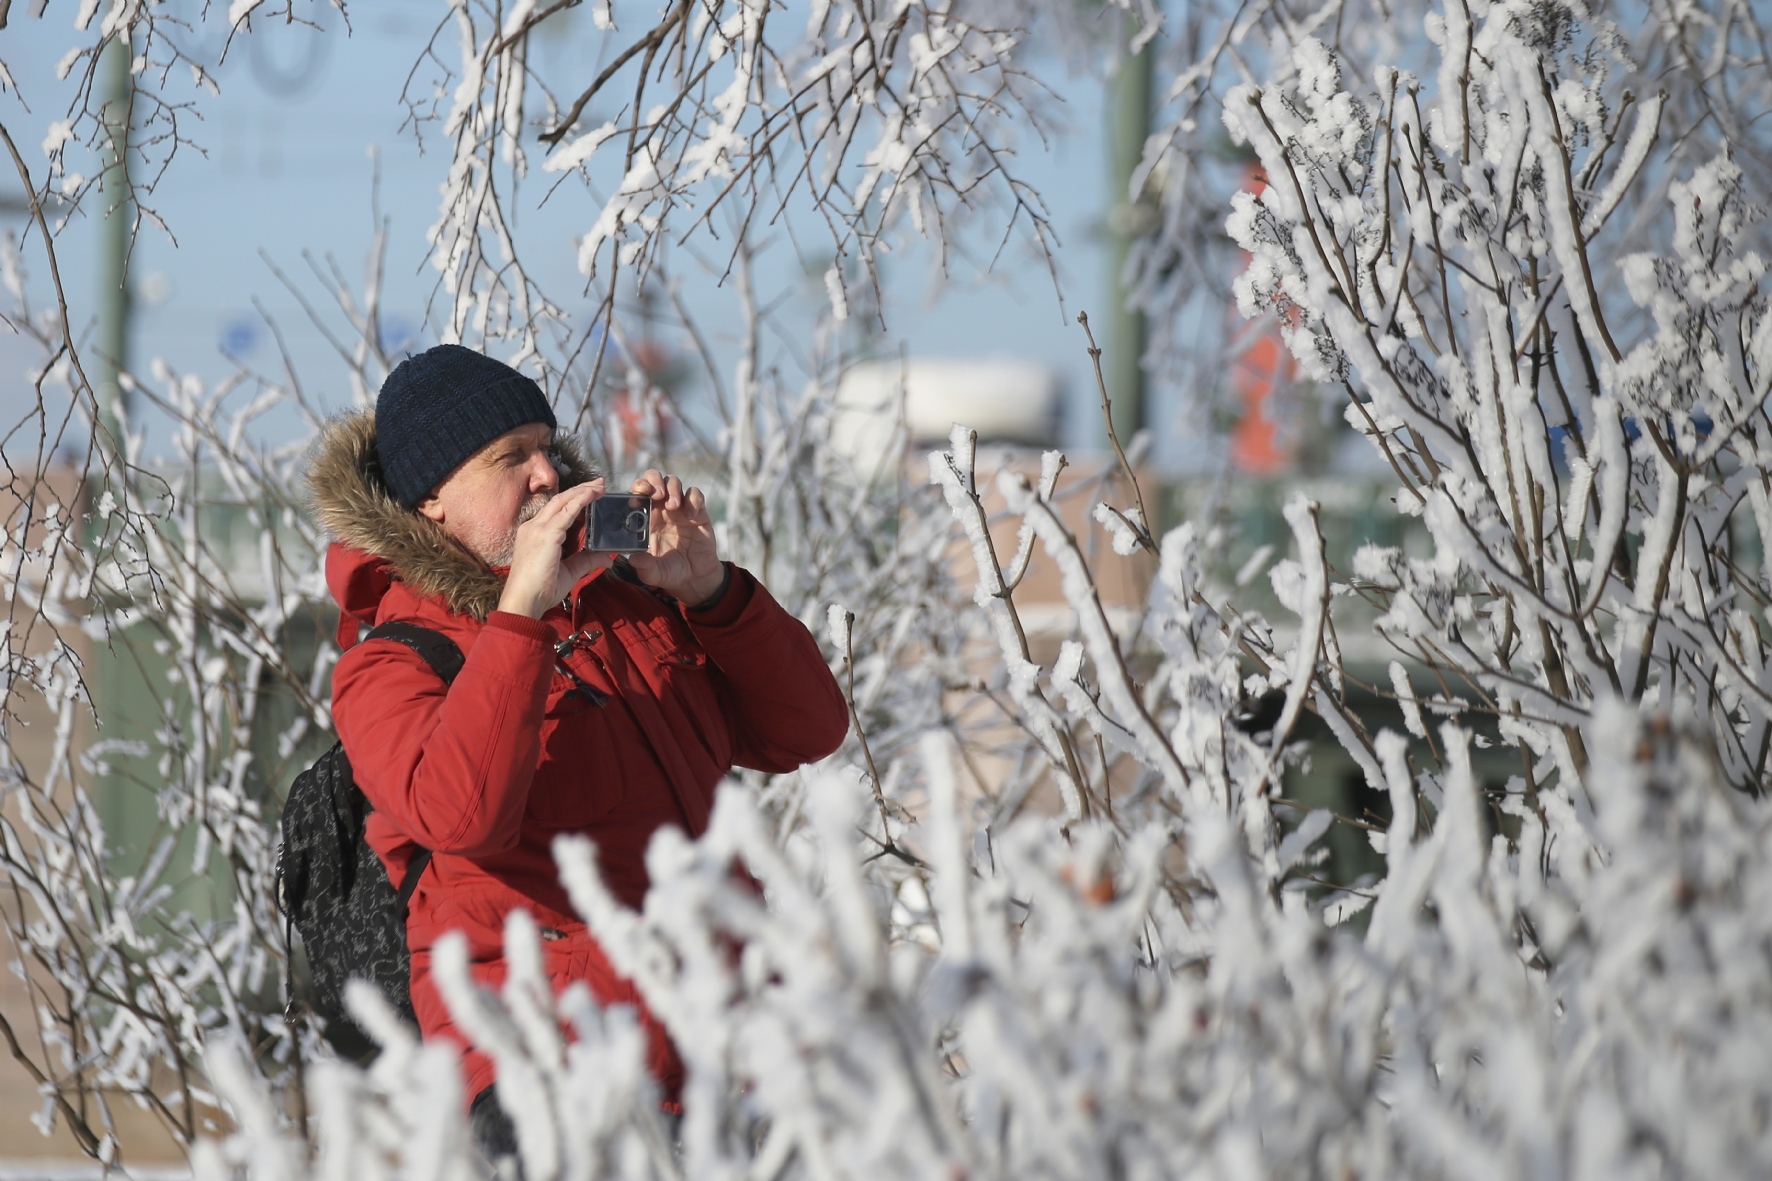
(885, 404)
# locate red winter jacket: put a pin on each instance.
(611, 718)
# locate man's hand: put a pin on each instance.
(682, 560)
(541, 575)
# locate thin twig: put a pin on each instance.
(1143, 532)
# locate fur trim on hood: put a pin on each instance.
(345, 488)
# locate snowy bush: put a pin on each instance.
(1049, 916)
(1512, 1010)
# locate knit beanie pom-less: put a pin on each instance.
(437, 408)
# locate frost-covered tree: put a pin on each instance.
(1588, 466)
(1518, 240)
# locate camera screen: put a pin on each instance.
(619, 524)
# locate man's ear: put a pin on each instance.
(431, 507)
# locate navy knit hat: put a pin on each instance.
(438, 408)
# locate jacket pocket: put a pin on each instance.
(688, 690)
(666, 639)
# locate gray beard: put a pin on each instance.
(508, 550)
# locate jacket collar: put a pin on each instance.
(352, 505)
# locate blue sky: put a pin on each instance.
(286, 168)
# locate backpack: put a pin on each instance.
(331, 887)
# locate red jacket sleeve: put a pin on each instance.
(785, 704)
(449, 765)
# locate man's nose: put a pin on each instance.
(542, 476)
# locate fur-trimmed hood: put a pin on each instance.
(352, 505)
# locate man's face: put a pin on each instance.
(495, 490)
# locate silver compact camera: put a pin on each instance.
(619, 525)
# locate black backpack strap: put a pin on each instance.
(437, 649)
(445, 659)
(414, 870)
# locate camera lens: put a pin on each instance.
(636, 522)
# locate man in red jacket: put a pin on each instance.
(595, 698)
